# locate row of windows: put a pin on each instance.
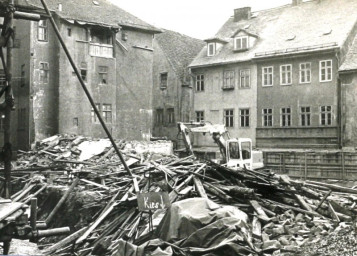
(305, 74)
(228, 117)
(170, 116)
(106, 110)
(228, 80)
(305, 114)
(241, 43)
(267, 117)
(286, 76)
(44, 73)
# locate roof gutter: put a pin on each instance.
(218, 64)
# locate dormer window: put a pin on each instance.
(241, 43)
(211, 49)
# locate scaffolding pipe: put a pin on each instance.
(84, 87)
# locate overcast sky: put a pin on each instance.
(196, 18)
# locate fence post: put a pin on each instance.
(343, 165)
(305, 172)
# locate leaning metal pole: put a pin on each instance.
(84, 87)
(7, 150)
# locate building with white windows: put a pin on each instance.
(291, 55)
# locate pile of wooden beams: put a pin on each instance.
(284, 215)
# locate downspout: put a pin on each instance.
(339, 106)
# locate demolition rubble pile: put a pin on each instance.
(214, 210)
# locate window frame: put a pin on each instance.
(245, 78)
(241, 39)
(44, 28)
(230, 116)
(200, 115)
(94, 118)
(200, 82)
(285, 74)
(307, 116)
(245, 117)
(272, 76)
(325, 68)
(170, 116)
(285, 117)
(209, 54)
(328, 113)
(84, 67)
(105, 111)
(264, 115)
(159, 112)
(44, 70)
(102, 72)
(230, 78)
(164, 85)
(301, 70)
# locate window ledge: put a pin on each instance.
(241, 50)
(267, 85)
(228, 88)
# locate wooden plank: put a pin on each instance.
(95, 184)
(199, 187)
(7, 209)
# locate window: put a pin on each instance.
(267, 76)
(21, 118)
(305, 73)
(69, 32)
(75, 122)
(107, 113)
(2, 122)
(103, 74)
(163, 80)
(267, 117)
(244, 117)
(84, 71)
(44, 72)
(325, 115)
(170, 116)
(228, 117)
(2, 79)
(159, 116)
(200, 116)
(228, 80)
(42, 30)
(200, 83)
(101, 36)
(305, 116)
(211, 49)
(325, 70)
(241, 43)
(245, 78)
(285, 117)
(94, 117)
(285, 74)
(22, 78)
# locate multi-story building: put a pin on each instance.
(293, 53)
(172, 90)
(114, 52)
(298, 84)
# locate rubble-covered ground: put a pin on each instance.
(214, 210)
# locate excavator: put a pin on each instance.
(236, 152)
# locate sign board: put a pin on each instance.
(152, 201)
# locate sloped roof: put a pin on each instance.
(311, 25)
(94, 11)
(350, 63)
(179, 49)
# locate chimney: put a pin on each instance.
(242, 14)
(296, 2)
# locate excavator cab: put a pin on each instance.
(239, 153)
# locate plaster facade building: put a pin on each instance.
(172, 89)
(294, 99)
(114, 52)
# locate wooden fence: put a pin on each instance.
(338, 165)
